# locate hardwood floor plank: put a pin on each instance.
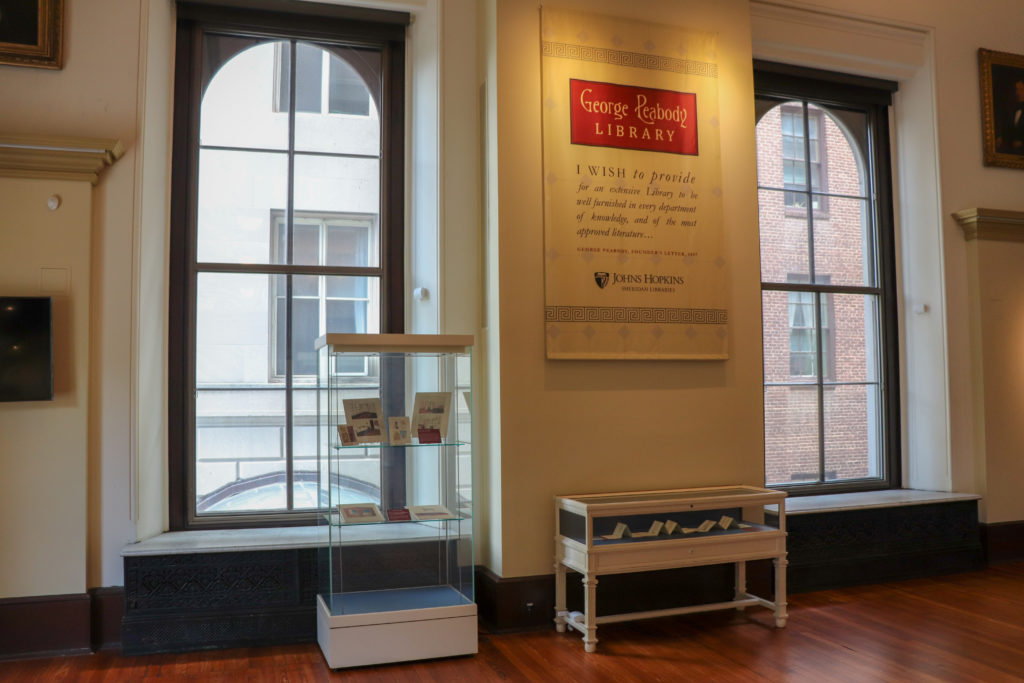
(961, 627)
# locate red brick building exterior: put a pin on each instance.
(842, 256)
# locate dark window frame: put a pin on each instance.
(777, 84)
(266, 19)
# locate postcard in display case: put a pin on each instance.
(359, 513)
(430, 411)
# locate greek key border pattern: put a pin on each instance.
(603, 55)
(632, 314)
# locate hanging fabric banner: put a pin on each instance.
(633, 261)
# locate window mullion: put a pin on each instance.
(819, 334)
(811, 275)
(325, 83)
(812, 278)
(289, 259)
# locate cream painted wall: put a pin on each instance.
(997, 277)
(95, 95)
(150, 228)
(43, 443)
(592, 426)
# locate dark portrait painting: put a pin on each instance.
(1002, 107)
(31, 33)
(19, 22)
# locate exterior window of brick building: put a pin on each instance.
(794, 170)
(828, 281)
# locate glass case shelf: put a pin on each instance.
(334, 520)
(363, 446)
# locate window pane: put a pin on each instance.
(304, 285)
(305, 330)
(783, 238)
(843, 150)
(349, 287)
(338, 185)
(237, 192)
(789, 147)
(843, 244)
(779, 136)
(852, 432)
(348, 93)
(798, 175)
(314, 316)
(232, 319)
(776, 337)
(856, 338)
(352, 242)
(788, 173)
(790, 434)
(305, 487)
(306, 246)
(802, 341)
(791, 122)
(346, 316)
(234, 472)
(245, 83)
(308, 77)
(240, 415)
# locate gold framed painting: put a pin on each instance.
(32, 33)
(1002, 107)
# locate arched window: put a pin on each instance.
(827, 281)
(286, 224)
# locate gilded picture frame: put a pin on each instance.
(32, 33)
(1002, 107)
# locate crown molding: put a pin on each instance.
(57, 157)
(991, 224)
(793, 32)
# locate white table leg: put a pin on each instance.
(741, 582)
(590, 613)
(780, 591)
(560, 597)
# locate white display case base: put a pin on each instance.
(367, 638)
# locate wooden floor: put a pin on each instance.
(962, 627)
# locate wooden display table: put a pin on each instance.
(587, 541)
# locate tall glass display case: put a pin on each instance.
(395, 452)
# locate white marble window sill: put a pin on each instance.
(280, 538)
(871, 499)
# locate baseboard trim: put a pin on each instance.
(106, 611)
(45, 625)
(514, 604)
(1003, 541)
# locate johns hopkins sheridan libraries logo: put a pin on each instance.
(639, 282)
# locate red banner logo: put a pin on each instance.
(627, 117)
